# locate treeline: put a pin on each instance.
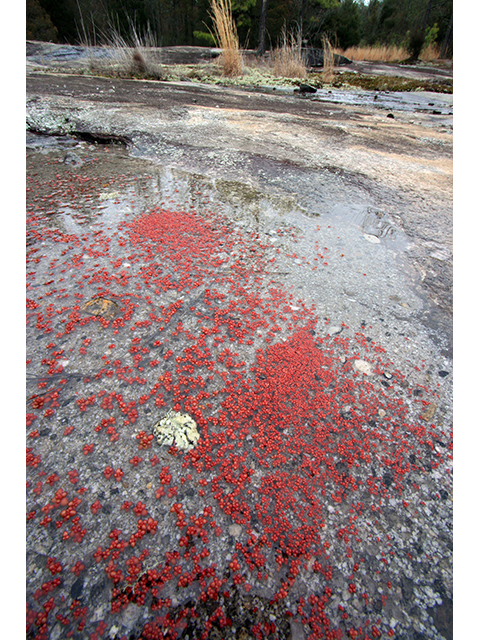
(346, 23)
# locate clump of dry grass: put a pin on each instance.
(225, 34)
(287, 60)
(388, 53)
(328, 60)
(376, 54)
(136, 56)
(430, 52)
(127, 62)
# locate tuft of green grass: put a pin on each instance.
(225, 33)
(382, 83)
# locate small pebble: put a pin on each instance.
(363, 367)
(235, 530)
(72, 159)
(333, 330)
(370, 238)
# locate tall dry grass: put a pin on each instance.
(388, 53)
(286, 60)
(136, 55)
(225, 34)
(375, 54)
(328, 60)
(430, 53)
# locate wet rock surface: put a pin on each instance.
(274, 202)
(323, 156)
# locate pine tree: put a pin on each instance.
(38, 23)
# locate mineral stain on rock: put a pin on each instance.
(103, 307)
(429, 412)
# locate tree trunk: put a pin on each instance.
(447, 39)
(302, 16)
(427, 16)
(417, 39)
(262, 29)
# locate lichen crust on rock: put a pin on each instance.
(177, 429)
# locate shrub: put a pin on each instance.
(205, 39)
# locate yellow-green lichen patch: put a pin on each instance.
(177, 429)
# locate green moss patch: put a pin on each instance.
(382, 83)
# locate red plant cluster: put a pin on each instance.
(290, 432)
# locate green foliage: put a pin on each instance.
(244, 16)
(396, 17)
(415, 43)
(243, 12)
(63, 15)
(38, 23)
(345, 23)
(431, 35)
(369, 21)
(186, 22)
(401, 21)
(204, 38)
